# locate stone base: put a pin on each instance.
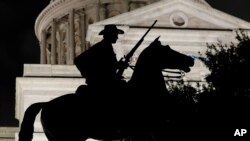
(36, 137)
(8, 133)
(31, 90)
(39, 137)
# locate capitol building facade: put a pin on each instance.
(66, 28)
(62, 27)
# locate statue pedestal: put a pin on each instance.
(8, 133)
(42, 83)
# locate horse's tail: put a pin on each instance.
(27, 128)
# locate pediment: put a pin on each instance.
(178, 14)
(185, 25)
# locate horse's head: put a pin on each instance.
(161, 56)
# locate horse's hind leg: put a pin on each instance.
(62, 135)
(49, 137)
(47, 133)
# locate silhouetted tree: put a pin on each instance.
(229, 66)
(225, 103)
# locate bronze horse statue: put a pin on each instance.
(137, 111)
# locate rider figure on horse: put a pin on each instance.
(99, 65)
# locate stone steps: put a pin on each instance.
(6, 139)
(8, 133)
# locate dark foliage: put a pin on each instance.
(222, 106)
(225, 103)
(229, 66)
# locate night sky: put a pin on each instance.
(19, 45)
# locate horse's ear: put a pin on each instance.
(156, 41)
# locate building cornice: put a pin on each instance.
(58, 9)
(191, 7)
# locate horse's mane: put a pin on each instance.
(147, 72)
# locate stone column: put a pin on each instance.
(53, 42)
(134, 4)
(43, 48)
(109, 8)
(71, 36)
(60, 48)
(113, 8)
(48, 57)
(102, 12)
(82, 31)
(67, 44)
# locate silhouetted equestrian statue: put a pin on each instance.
(136, 110)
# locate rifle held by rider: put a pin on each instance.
(126, 59)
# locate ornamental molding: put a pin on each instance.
(59, 9)
(194, 15)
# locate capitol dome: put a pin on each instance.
(61, 26)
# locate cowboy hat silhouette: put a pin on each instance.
(111, 28)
